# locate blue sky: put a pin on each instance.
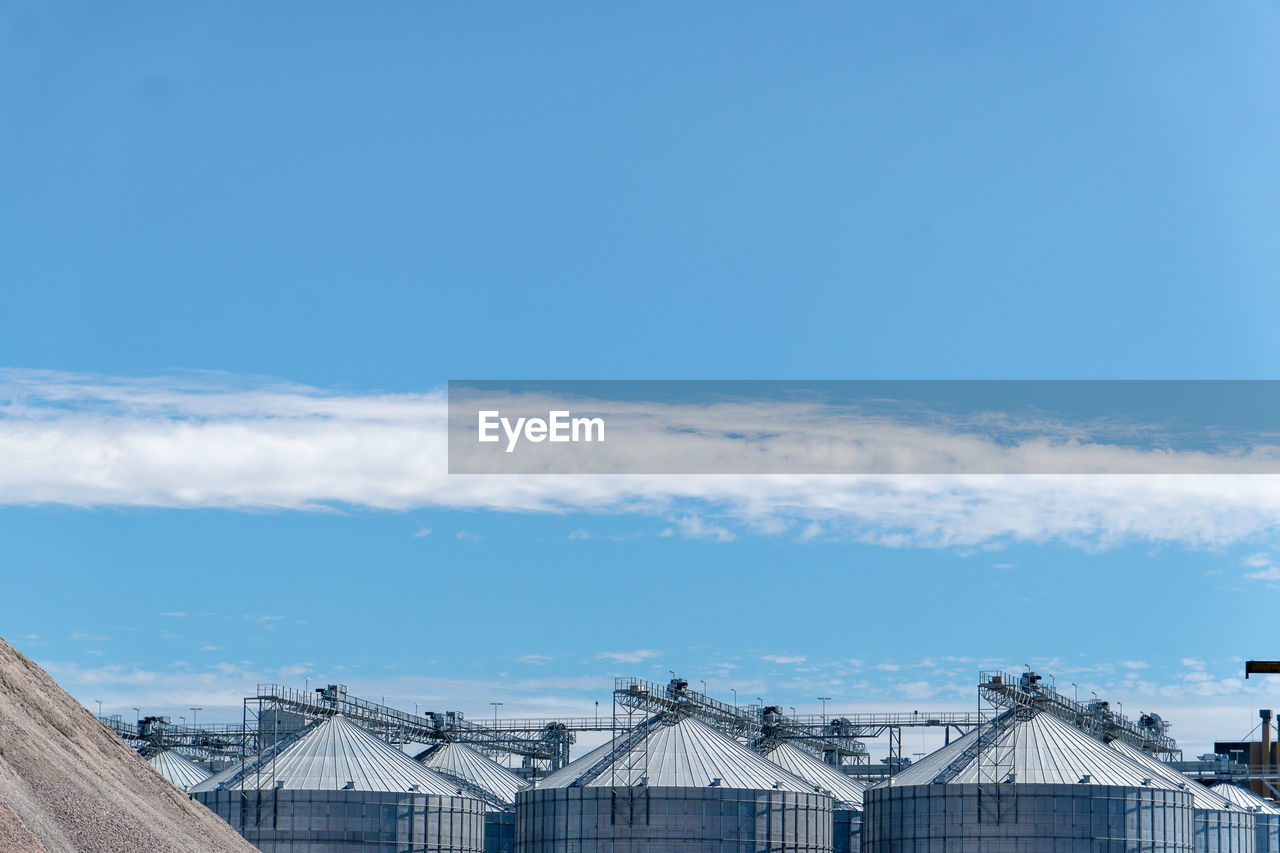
(372, 203)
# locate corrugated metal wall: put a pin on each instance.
(1060, 818)
(672, 820)
(286, 821)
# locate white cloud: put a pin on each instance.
(1271, 573)
(535, 659)
(1134, 664)
(1257, 561)
(422, 532)
(917, 689)
(468, 536)
(635, 656)
(693, 527)
(224, 441)
(784, 659)
(888, 667)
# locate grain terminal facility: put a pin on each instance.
(1030, 770)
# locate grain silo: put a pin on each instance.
(846, 793)
(336, 787)
(493, 784)
(673, 785)
(1025, 781)
(178, 769)
(1266, 815)
(1219, 826)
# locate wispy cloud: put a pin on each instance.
(1271, 573)
(784, 659)
(634, 656)
(422, 532)
(214, 440)
(535, 659)
(694, 527)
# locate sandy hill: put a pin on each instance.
(67, 783)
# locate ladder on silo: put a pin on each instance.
(997, 791)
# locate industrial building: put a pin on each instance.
(1031, 770)
(1266, 815)
(1218, 824)
(493, 784)
(335, 787)
(669, 785)
(1026, 781)
(178, 769)
(846, 792)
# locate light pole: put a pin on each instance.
(734, 691)
(415, 708)
(495, 705)
(1077, 687)
(597, 713)
(793, 712)
(704, 686)
(195, 717)
(824, 700)
(306, 686)
(184, 719)
(138, 711)
(99, 701)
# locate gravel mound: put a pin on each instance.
(68, 783)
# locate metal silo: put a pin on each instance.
(1026, 782)
(1220, 826)
(493, 784)
(673, 785)
(846, 793)
(178, 769)
(1266, 815)
(336, 787)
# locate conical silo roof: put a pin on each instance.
(799, 763)
(460, 761)
(336, 754)
(178, 769)
(565, 776)
(1041, 749)
(676, 752)
(1245, 798)
(1201, 797)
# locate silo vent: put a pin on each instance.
(280, 785)
(350, 786)
(1084, 780)
(715, 783)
